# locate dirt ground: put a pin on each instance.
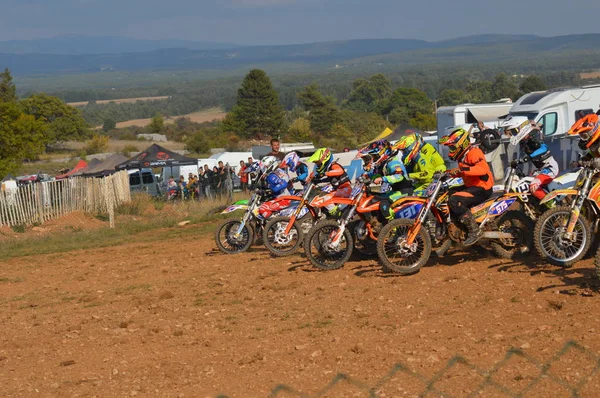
(176, 318)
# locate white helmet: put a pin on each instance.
(270, 162)
(518, 127)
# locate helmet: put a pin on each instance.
(518, 127)
(410, 146)
(588, 129)
(458, 141)
(291, 161)
(379, 151)
(269, 162)
(322, 158)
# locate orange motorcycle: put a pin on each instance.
(330, 242)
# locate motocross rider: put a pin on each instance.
(477, 179)
(588, 129)
(528, 135)
(329, 171)
(291, 162)
(420, 159)
(385, 162)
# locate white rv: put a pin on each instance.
(557, 110)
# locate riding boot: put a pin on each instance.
(473, 228)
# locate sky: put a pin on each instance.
(294, 21)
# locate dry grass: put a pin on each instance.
(120, 145)
(120, 100)
(207, 115)
(590, 75)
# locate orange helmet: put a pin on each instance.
(588, 129)
(458, 141)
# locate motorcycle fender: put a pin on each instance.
(408, 200)
(233, 208)
(560, 192)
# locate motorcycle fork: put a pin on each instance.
(290, 223)
(344, 220)
(576, 207)
(416, 227)
(246, 217)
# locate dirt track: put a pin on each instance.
(176, 318)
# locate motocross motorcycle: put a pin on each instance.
(564, 234)
(236, 236)
(517, 181)
(330, 242)
(283, 235)
(404, 245)
(408, 207)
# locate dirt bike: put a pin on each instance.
(563, 235)
(404, 245)
(283, 235)
(516, 181)
(330, 242)
(408, 207)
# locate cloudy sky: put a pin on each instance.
(294, 21)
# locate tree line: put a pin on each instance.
(29, 125)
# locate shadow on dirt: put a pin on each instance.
(573, 280)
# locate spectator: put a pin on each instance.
(275, 146)
(243, 176)
(214, 181)
(208, 180)
(200, 180)
(192, 185)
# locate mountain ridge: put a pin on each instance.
(327, 54)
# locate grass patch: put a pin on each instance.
(126, 230)
(132, 288)
(20, 229)
(11, 280)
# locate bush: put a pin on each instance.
(139, 203)
(128, 149)
(98, 144)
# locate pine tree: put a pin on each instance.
(8, 91)
(257, 112)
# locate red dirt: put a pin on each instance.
(76, 221)
(175, 318)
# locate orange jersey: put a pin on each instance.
(474, 169)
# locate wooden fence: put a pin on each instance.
(43, 201)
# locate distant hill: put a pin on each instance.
(483, 39)
(487, 48)
(77, 45)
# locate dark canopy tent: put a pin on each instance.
(106, 167)
(156, 156)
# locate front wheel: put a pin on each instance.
(552, 243)
(277, 241)
(396, 255)
(229, 241)
(519, 226)
(322, 252)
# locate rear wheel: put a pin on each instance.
(395, 255)
(229, 241)
(551, 242)
(520, 227)
(320, 250)
(277, 241)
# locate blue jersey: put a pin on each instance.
(277, 181)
